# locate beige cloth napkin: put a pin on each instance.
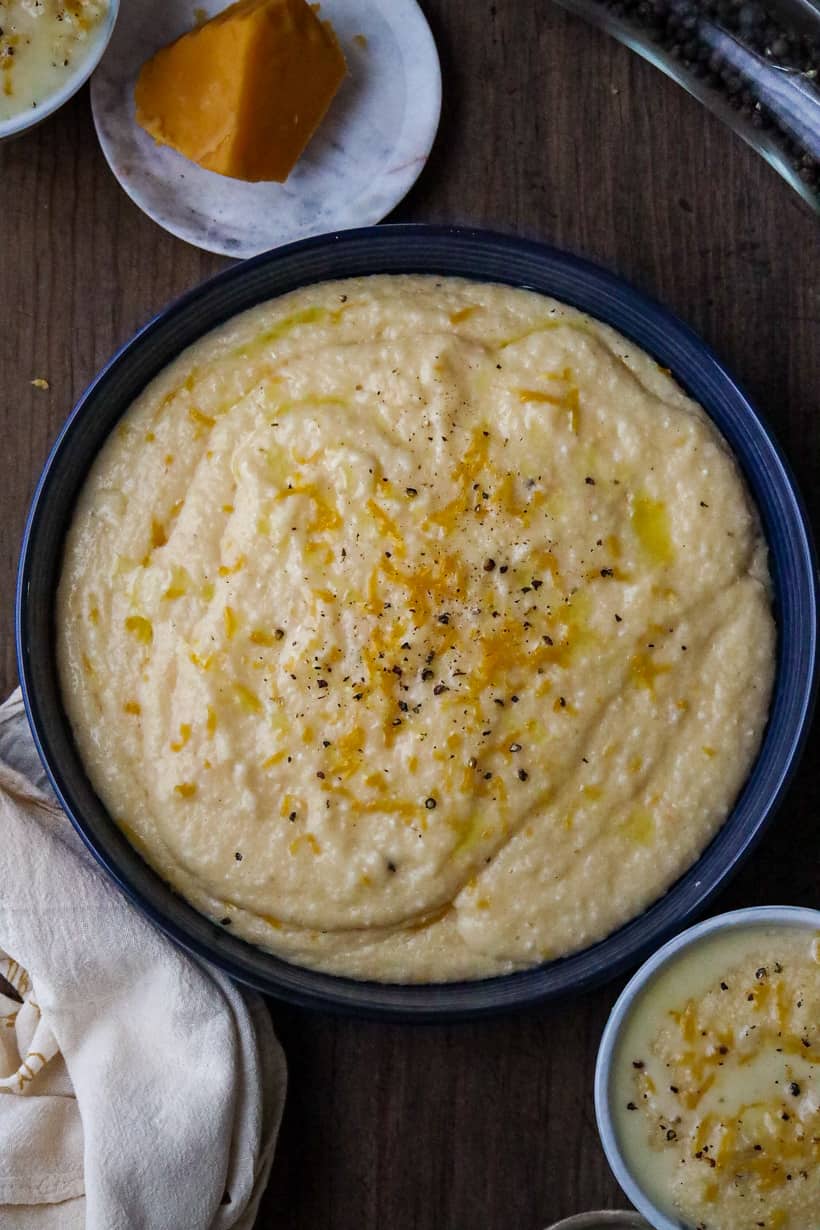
(139, 1087)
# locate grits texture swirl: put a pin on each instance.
(418, 627)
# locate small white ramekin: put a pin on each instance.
(603, 1219)
(783, 915)
(17, 124)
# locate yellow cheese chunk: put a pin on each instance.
(243, 94)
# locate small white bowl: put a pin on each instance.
(603, 1219)
(32, 116)
(784, 915)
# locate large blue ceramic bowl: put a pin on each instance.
(488, 257)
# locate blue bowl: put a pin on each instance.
(487, 257)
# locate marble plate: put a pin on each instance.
(366, 154)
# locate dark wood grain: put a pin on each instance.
(552, 131)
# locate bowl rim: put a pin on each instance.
(22, 121)
(734, 920)
(596, 1219)
(423, 1002)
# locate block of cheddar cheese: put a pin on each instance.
(243, 94)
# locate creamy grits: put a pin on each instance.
(41, 43)
(717, 1083)
(416, 629)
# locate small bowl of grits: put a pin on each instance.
(417, 621)
(707, 1087)
(48, 49)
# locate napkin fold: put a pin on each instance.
(139, 1087)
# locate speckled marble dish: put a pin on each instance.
(365, 156)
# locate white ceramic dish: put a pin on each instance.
(603, 1219)
(15, 125)
(776, 915)
(365, 156)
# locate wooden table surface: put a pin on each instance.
(552, 131)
